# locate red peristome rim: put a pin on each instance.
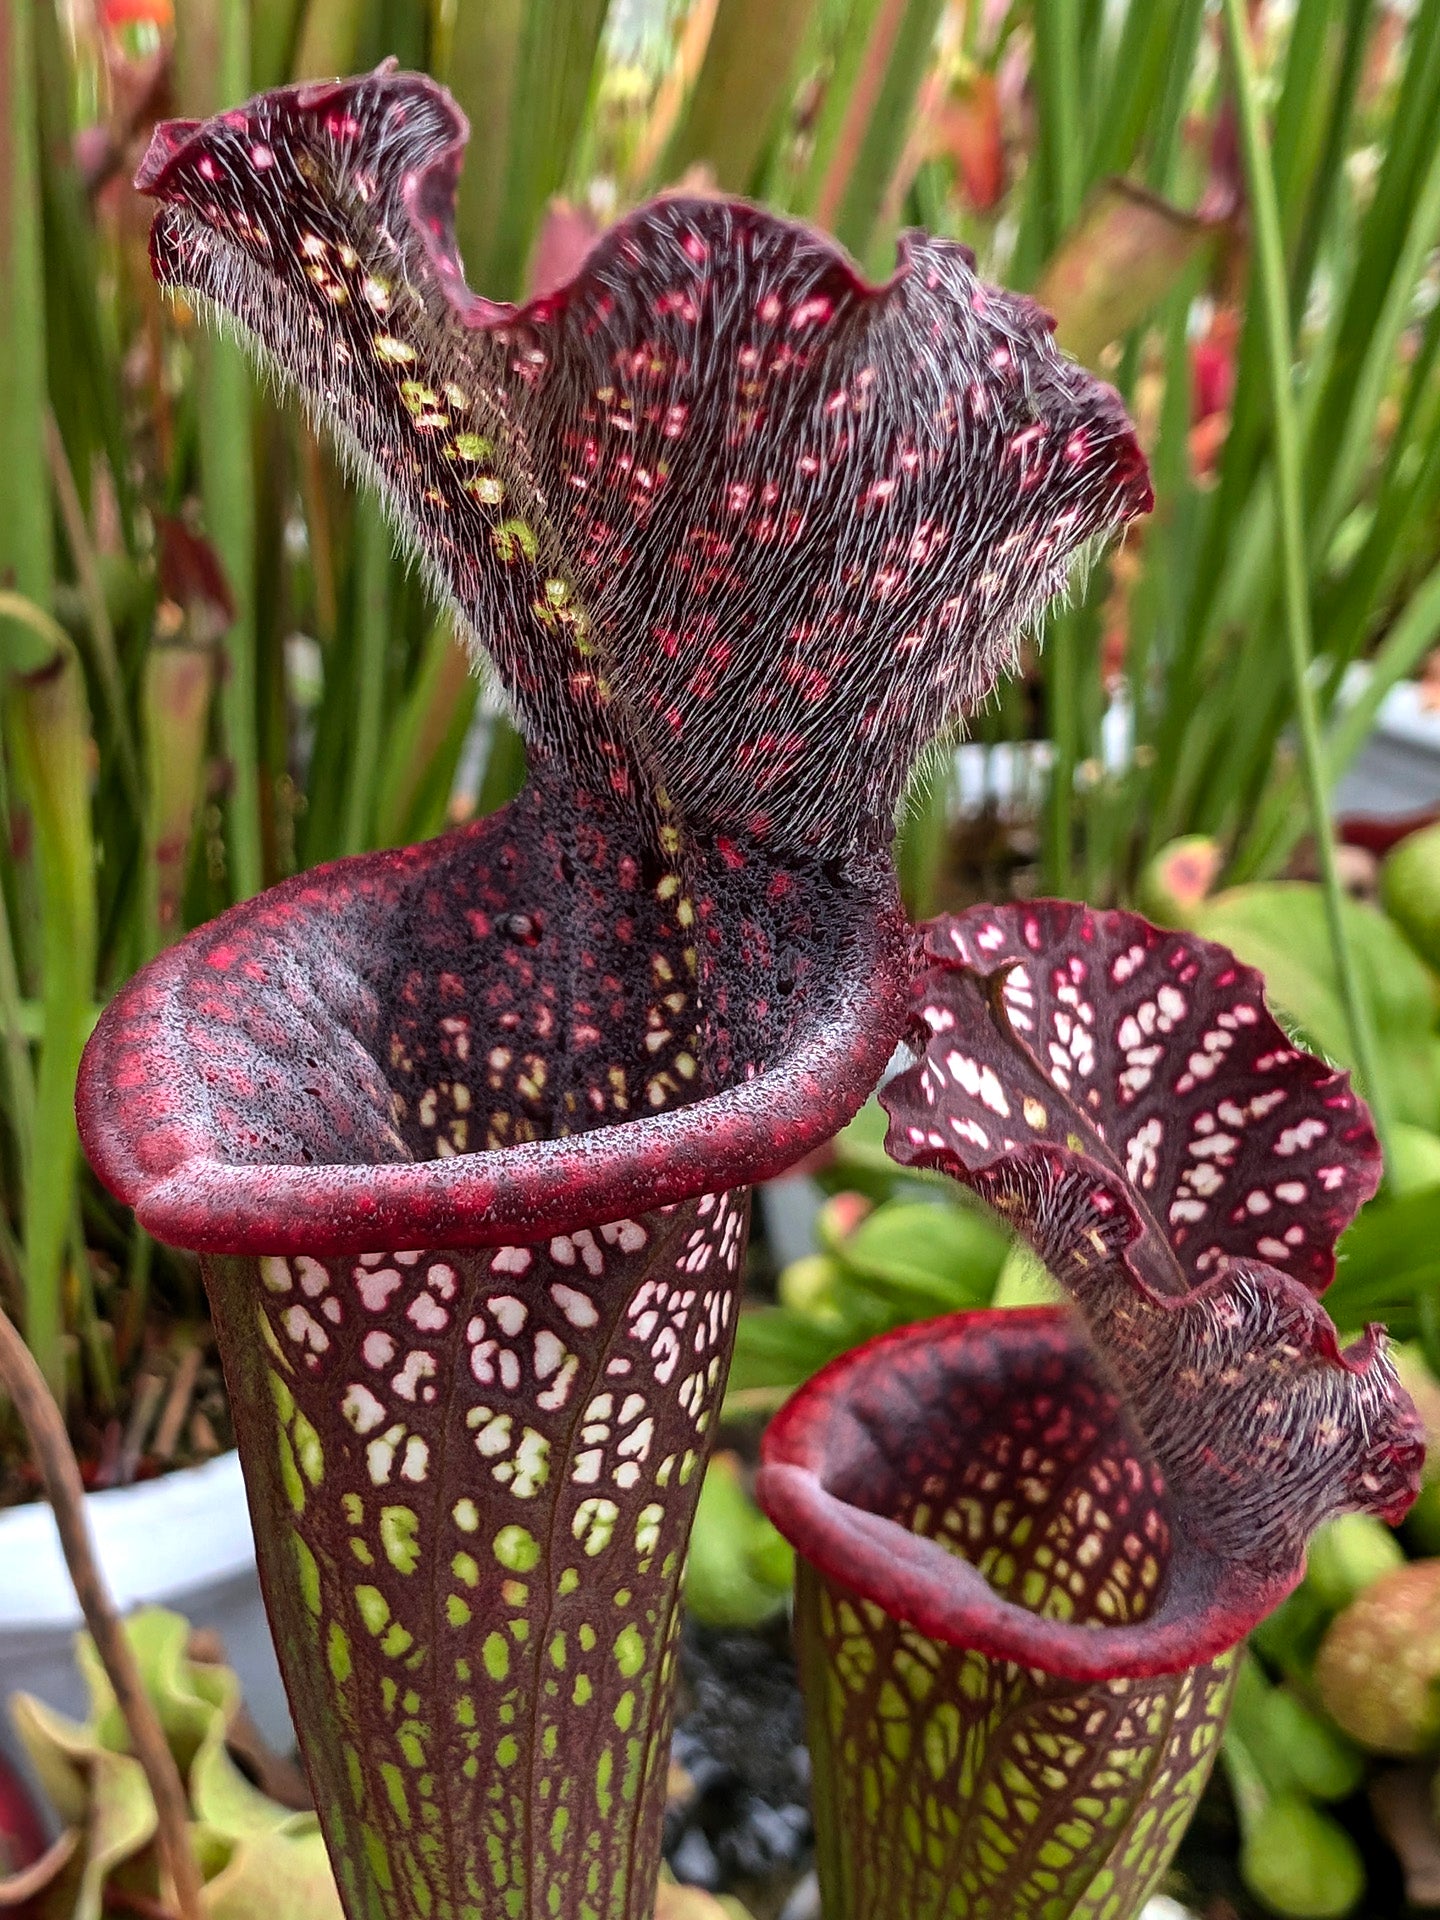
(1206, 1604)
(186, 1195)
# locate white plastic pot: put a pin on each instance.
(181, 1541)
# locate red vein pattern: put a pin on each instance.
(474, 1476)
(739, 533)
(1034, 1538)
(948, 1781)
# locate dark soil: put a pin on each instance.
(739, 1819)
(739, 1815)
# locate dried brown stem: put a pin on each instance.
(54, 1457)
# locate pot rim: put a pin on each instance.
(156, 1540)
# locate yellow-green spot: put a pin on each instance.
(559, 1822)
(396, 1641)
(629, 1651)
(374, 1608)
(516, 1549)
(400, 1537)
(647, 1528)
(472, 446)
(395, 1791)
(284, 1399)
(308, 1450)
(604, 1768)
(584, 1692)
(395, 353)
(464, 1711)
(457, 1611)
(465, 1568)
(512, 538)
(353, 1508)
(337, 1652)
(379, 1860)
(309, 1574)
(410, 1745)
(496, 1655)
(466, 1515)
(568, 1582)
(361, 1551)
(586, 1637)
(290, 1474)
(557, 1651)
(625, 1710)
(507, 1750)
(357, 1775)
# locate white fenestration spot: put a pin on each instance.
(1206, 1060)
(511, 1260)
(304, 1329)
(1142, 1152)
(375, 1288)
(419, 1366)
(426, 1313)
(530, 1468)
(591, 1256)
(1300, 1137)
(378, 1348)
(578, 1308)
(442, 1280)
(380, 1455)
(979, 1081)
(275, 1274)
(628, 1235)
(361, 1408)
(1126, 964)
(549, 1353)
(313, 1278)
(510, 1313)
(558, 1392)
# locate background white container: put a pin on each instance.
(180, 1541)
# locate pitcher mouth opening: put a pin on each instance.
(509, 1031)
(1036, 1529)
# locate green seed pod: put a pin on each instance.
(1422, 1523)
(808, 1285)
(1348, 1555)
(1410, 891)
(1321, 1761)
(1378, 1669)
(1178, 878)
(1300, 1862)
